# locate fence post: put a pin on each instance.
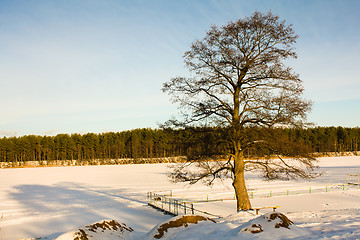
(169, 205)
(185, 208)
(192, 209)
(177, 207)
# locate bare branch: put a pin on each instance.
(240, 81)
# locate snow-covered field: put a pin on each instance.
(47, 202)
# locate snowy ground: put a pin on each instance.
(39, 202)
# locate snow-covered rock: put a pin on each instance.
(103, 230)
(269, 225)
(169, 229)
(273, 225)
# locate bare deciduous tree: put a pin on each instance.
(239, 81)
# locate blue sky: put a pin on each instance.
(77, 66)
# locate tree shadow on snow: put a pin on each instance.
(61, 207)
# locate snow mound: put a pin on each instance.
(169, 229)
(104, 230)
(276, 220)
(240, 217)
(270, 225)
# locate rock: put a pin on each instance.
(254, 228)
(284, 221)
(270, 224)
(168, 229)
(104, 230)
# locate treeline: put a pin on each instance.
(138, 143)
(159, 143)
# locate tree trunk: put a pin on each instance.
(242, 197)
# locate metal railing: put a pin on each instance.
(173, 206)
(179, 204)
(223, 196)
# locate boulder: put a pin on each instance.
(270, 224)
(103, 230)
(168, 229)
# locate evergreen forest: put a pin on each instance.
(160, 143)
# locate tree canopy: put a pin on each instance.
(239, 80)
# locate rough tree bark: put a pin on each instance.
(242, 197)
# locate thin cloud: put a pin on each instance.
(4, 133)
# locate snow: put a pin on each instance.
(177, 227)
(104, 230)
(48, 202)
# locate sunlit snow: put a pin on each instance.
(48, 202)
